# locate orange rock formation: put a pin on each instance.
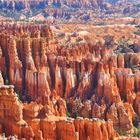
(89, 81)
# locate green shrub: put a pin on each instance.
(137, 32)
(68, 114)
(19, 95)
(123, 42)
(79, 77)
(136, 132)
(122, 133)
(76, 114)
(28, 98)
(6, 82)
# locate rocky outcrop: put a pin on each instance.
(29, 121)
(94, 129)
(15, 66)
(53, 82)
(62, 11)
(29, 5)
(11, 112)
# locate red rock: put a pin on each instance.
(15, 66)
(137, 103)
(124, 120)
(113, 115)
(70, 82)
(66, 130)
(80, 127)
(89, 81)
(120, 61)
(84, 85)
(49, 129)
(58, 82)
(86, 110)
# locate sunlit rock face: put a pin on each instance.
(35, 121)
(89, 81)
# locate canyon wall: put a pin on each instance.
(71, 11)
(53, 81)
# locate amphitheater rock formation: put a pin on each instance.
(47, 122)
(90, 83)
(71, 11)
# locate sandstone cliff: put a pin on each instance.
(53, 82)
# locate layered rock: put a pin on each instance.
(54, 9)
(12, 110)
(15, 66)
(85, 80)
(28, 121)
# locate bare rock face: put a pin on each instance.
(84, 85)
(49, 129)
(66, 130)
(120, 61)
(94, 129)
(11, 111)
(15, 66)
(86, 110)
(1, 79)
(3, 68)
(137, 103)
(98, 111)
(113, 115)
(124, 120)
(58, 82)
(70, 83)
(53, 10)
(27, 4)
(28, 121)
(31, 110)
(54, 82)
